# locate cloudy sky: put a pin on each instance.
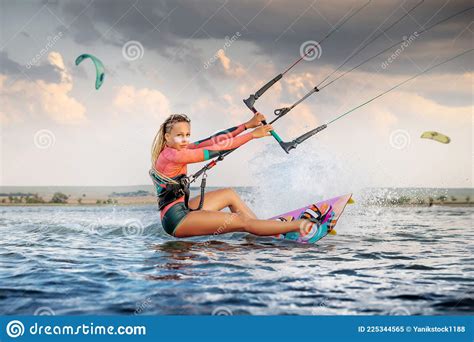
(202, 58)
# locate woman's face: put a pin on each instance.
(178, 137)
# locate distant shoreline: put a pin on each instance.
(145, 195)
(149, 200)
(88, 201)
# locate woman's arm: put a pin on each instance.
(226, 134)
(186, 156)
(230, 133)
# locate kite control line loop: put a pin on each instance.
(281, 111)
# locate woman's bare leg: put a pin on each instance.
(203, 222)
(219, 199)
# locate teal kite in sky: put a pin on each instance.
(99, 68)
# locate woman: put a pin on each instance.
(171, 152)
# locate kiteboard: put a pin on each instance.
(338, 205)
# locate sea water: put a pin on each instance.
(395, 260)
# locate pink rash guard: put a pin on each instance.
(172, 162)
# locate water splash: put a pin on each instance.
(306, 175)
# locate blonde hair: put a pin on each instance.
(159, 141)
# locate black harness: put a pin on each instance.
(168, 192)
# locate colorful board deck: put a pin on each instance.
(338, 205)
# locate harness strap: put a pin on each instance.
(178, 190)
(201, 200)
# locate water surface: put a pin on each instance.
(117, 260)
